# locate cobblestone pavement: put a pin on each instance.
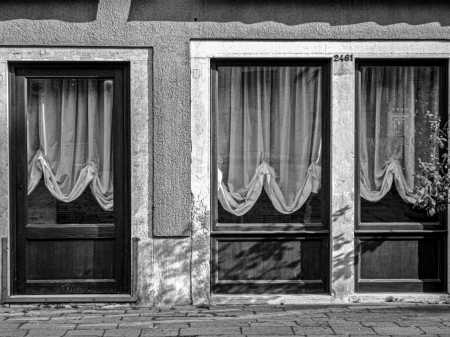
(248, 320)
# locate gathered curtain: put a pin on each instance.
(268, 136)
(397, 107)
(69, 140)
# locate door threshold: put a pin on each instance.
(273, 299)
(94, 298)
(325, 299)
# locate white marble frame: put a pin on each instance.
(342, 275)
(138, 59)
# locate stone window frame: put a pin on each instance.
(343, 131)
(140, 86)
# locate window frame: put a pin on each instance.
(342, 224)
(383, 232)
(325, 191)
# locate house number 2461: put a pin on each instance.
(343, 58)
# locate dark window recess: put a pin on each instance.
(264, 212)
(393, 209)
(43, 208)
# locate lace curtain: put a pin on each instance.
(397, 105)
(268, 136)
(69, 140)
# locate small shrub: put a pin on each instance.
(432, 180)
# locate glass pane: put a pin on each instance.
(268, 143)
(69, 151)
(398, 106)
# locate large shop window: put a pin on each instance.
(269, 126)
(270, 155)
(399, 105)
(398, 108)
(70, 179)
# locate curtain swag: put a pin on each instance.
(268, 136)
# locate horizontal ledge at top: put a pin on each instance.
(272, 233)
(399, 231)
(399, 280)
(320, 48)
(285, 224)
(71, 225)
(264, 282)
(431, 223)
(53, 281)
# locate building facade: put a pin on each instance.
(176, 152)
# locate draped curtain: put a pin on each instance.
(69, 141)
(397, 106)
(268, 136)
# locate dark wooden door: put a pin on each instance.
(265, 251)
(72, 247)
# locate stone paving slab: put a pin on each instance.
(225, 321)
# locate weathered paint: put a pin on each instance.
(167, 27)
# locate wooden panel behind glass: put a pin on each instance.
(402, 264)
(270, 264)
(70, 259)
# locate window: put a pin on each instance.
(271, 142)
(69, 151)
(398, 108)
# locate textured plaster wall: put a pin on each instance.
(127, 23)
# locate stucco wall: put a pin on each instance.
(127, 23)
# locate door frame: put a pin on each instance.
(139, 84)
(119, 72)
(288, 231)
(392, 231)
(343, 179)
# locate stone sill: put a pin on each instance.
(100, 298)
(360, 298)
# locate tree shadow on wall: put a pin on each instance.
(69, 11)
(173, 267)
(293, 12)
(343, 261)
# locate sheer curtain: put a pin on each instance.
(69, 140)
(268, 136)
(397, 104)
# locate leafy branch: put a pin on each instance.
(433, 179)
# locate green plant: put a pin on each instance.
(433, 180)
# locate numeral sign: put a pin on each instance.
(343, 58)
